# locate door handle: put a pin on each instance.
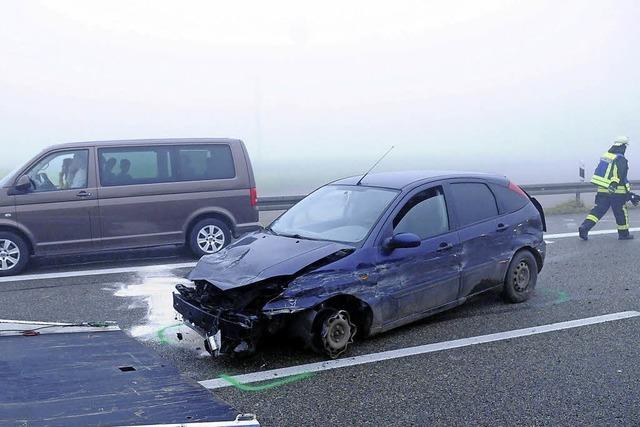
(501, 227)
(84, 194)
(444, 246)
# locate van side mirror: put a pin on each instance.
(402, 241)
(24, 184)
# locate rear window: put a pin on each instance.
(474, 202)
(509, 200)
(205, 162)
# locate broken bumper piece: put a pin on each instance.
(224, 332)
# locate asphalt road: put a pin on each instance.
(587, 375)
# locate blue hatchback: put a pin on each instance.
(356, 258)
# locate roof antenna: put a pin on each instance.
(376, 164)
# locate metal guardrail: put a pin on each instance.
(281, 203)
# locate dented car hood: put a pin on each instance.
(261, 256)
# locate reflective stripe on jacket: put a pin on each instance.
(607, 172)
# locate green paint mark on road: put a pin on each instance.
(268, 386)
(562, 297)
(161, 336)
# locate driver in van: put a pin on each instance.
(65, 174)
(78, 170)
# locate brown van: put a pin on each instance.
(102, 196)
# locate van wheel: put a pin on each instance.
(521, 277)
(14, 254)
(208, 237)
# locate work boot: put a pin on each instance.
(583, 232)
(624, 235)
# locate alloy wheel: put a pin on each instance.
(9, 254)
(211, 239)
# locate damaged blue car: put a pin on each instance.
(362, 256)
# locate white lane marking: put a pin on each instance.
(66, 274)
(591, 233)
(412, 351)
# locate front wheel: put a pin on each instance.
(521, 277)
(14, 254)
(333, 332)
(208, 237)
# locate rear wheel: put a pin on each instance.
(333, 332)
(14, 254)
(521, 277)
(209, 236)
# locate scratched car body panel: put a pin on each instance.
(358, 258)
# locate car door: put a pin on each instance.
(426, 277)
(480, 233)
(60, 209)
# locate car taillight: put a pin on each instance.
(253, 195)
(513, 187)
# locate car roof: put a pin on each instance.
(137, 142)
(403, 179)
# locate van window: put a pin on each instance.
(424, 215)
(65, 170)
(474, 202)
(205, 162)
(134, 166)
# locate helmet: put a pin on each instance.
(621, 140)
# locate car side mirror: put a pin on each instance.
(24, 184)
(402, 241)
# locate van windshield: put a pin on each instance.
(336, 213)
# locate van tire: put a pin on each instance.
(9, 243)
(216, 232)
(522, 277)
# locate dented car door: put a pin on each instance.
(424, 278)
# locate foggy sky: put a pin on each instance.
(320, 90)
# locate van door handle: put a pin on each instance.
(444, 246)
(501, 227)
(84, 194)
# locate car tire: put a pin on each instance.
(14, 254)
(522, 277)
(333, 332)
(208, 237)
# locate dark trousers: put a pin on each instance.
(604, 201)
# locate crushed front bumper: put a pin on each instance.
(224, 331)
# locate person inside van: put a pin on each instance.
(78, 170)
(123, 177)
(108, 175)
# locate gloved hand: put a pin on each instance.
(635, 199)
(612, 188)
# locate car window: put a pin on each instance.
(474, 202)
(134, 166)
(65, 170)
(424, 215)
(205, 162)
(510, 201)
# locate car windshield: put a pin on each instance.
(336, 213)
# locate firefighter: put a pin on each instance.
(613, 190)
